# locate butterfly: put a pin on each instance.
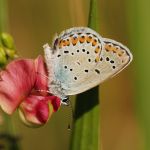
(81, 59)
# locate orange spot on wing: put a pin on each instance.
(88, 39)
(109, 47)
(64, 42)
(82, 39)
(74, 40)
(116, 49)
(67, 42)
(120, 52)
(94, 42)
(97, 50)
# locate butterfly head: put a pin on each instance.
(65, 100)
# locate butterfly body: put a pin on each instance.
(81, 59)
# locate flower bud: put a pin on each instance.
(35, 111)
(7, 41)
(3, 59)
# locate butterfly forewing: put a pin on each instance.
(78, 52)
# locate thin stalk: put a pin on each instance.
(85, 134)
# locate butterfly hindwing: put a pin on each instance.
(114, 58)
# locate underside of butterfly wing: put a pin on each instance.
(114, 58)
(81, 59)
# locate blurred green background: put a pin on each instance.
(124, 100)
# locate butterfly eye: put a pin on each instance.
(65, 101)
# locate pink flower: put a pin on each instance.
(22, 85)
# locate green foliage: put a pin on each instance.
(139, 23)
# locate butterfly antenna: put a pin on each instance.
(42, 75)
(46, 91)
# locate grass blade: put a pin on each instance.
(139, 23)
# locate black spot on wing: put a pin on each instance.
(111, 61)
(66, 52)
(89, 60)
(97, 71)
(107, 58)
(75, 78)
(83, 50)
(113, 67)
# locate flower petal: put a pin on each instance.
(41, 75)
(36, 110)
(56, 102)
(16, 83)
(21, 79)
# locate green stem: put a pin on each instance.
(94, 15)
(85, 134)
